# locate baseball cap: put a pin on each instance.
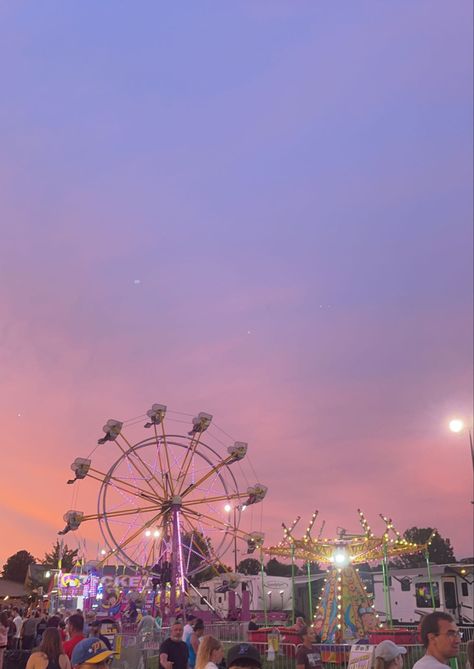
(90, 651)
(388, 650)
(243, 651)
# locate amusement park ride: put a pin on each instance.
(345, 610)
(169, 506)
(164, 504)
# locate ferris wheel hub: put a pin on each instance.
(176, 500)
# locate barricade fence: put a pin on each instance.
(142, 652)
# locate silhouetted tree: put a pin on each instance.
(16, 566)
(249, 567)
(68, 557)
(440, 551)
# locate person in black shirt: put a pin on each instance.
(173, 651)
(253, 623)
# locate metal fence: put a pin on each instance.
(141, 651)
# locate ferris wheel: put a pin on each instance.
(170, 503)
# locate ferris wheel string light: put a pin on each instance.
(161, 500)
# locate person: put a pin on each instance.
(253, 623)
(307, 656)
(193, 642)
(50, 654)
(388, 655)
(441, 639)
(4, 625)
(75, 628)
(29, 631)
(42, 625)
(18, 622)
(470, 654)
(188, 628)
(91, 653)
(173, 651)
(299, 625)
(94, 631)
(245, 656)
(210, 653)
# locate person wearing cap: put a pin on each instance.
(95, 628)
(388, 655)
(307, 655)
(441, 639)
(91, 653)
(173, 651)
(244, 656)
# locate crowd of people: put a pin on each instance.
(74, 641)
(52, 639)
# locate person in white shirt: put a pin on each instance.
(188, 628)
(18, 622)
(441, 638)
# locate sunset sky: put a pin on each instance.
(258, 209)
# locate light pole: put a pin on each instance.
(228, 508)
(458, 426)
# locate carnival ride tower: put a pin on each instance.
(345, 610)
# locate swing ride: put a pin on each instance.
(169, 505)
(345, 610)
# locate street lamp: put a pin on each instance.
(282, 592)
(228, 508)
(458, 426)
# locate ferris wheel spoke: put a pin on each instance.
(127, 541)
(188, 458)
(133, 452)
(210, 521)
(219, 498)
(136, 454)
(164, 441)
(195, 549)
(119, 483)
(121, 512)
(126, 454)
(204, 478)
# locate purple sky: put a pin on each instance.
(291, 185)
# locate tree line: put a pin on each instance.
(440, 552)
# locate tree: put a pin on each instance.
(276, 568)
(16, 566)
(67, 556)
(249, 567)
(440, 551)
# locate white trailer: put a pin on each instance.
(276, 595)
(410, 593)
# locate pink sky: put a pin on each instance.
(292, 187)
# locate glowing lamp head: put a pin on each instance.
(456, 425)
(156, 533)
(103, 551)
(340, 558)
(148, 533)
(227, 508)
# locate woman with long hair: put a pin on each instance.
(50, 654)
(210, 653)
